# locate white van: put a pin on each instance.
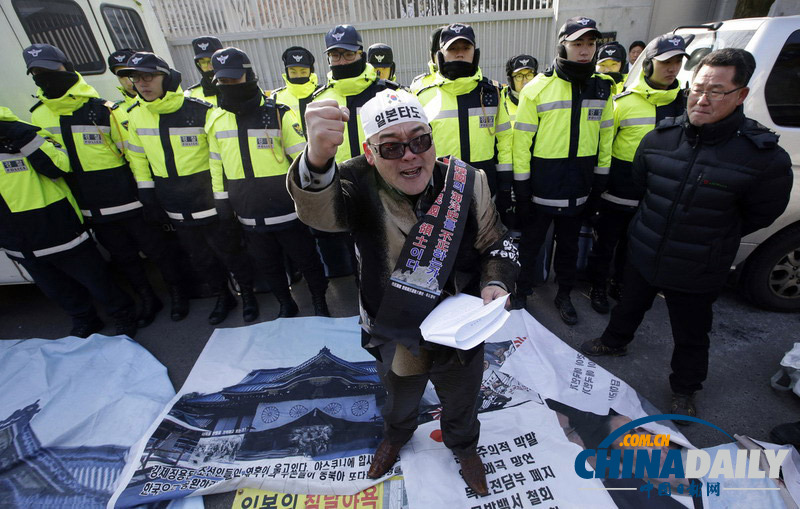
(87, 31)
(767, 266)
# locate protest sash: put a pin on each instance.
(426, 261)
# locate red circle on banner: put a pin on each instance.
(436, 435)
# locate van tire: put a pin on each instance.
(778, 260)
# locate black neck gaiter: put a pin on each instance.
(351, 70)
(299, 81)
(55, 84)
(574, 71)
(240, 97)
(207, 82)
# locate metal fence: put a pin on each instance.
(265, 28)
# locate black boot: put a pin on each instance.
(249, 304)
(179, 303)
(225, 302)
(289, 307)
(125, 323)
(320, 305)
(151, 305)
(565, 308)
(599, 298)
(85, 328)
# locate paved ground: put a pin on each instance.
(747, 345)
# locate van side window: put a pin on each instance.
(126, 28)
(783, 101)
(63, 24)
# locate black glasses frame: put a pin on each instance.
(397, 149)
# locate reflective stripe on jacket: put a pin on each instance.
(250, 155)
(562, 140)
(469, 123)
(168, 150)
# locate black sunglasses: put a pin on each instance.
(396, 149)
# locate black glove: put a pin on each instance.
(591, 210)
(505, 207)
(152, 211)
(524, 209)
(225, 210)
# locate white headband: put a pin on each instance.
(389, 108)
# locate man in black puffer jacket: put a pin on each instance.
(710, 177)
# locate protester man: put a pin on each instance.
(252, 140)
(352, 82)
(710, 177)
(562, 152)
(465, 114)
(611, 62)
(99, 175)
(204, 89)
(42, 229)
(413, 219)
(381, 57)
(652, 97)
(168, 150)
(301, 81)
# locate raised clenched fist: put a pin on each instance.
(325, 123)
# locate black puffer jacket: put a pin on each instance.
(705, 188)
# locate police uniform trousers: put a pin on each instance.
(75, 277)
(124, 238)
(611, 244)
(457, 385)
(690, 316)
(267, 249)
(215, 248)
(566, 230)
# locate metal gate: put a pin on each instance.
(265, 28)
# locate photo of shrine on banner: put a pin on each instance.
(289, 411)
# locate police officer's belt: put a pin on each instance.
(428, 256)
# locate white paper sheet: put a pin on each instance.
(463, 321)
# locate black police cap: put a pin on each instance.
(665, 47)
(230, 63)
(611, 51)
(144, 61)
(297, 56)
(577, 27)
(380, 55)
(45, 56)
(345, 37)
(119, 58)
(205, 46)
(455, 32)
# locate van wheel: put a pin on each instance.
(771, 277)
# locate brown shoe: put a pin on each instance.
(473, 473)
(385, 456)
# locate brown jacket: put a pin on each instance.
(380, 218)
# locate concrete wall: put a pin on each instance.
(644, 19)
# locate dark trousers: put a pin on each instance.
(565, 258)
(75, 277)
(124, 238)
(690, 316)
(267, 249)
(457, 386)
(611, 243)
(214, 249)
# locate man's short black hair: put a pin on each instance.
(742, 60)
(634, 44)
